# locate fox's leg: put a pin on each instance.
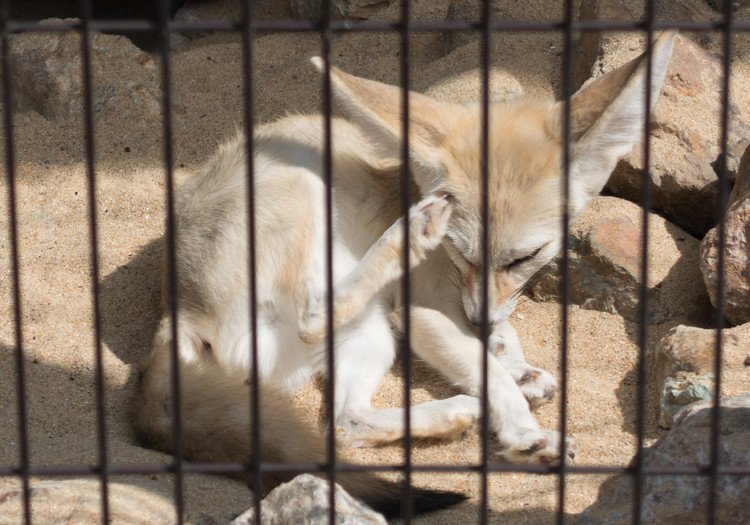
(457, 355)
(364, 353)
(537, 385)
(383, 262)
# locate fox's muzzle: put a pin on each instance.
(500, 296)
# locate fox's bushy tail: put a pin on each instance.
(215, 414)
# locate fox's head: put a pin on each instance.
(524, 165)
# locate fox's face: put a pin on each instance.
(524, 219)
(524, 166)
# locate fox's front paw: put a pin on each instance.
(537, 447)
(428, 222)
(538, 386)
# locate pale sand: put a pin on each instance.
(56, 284)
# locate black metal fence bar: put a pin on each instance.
(567, 83)
(166, 83)
(484, 396)
(94, 254)
(720, 281)
(234, 468)
(10, 172)
(247, 77)
(640, 422)
(327, 107)
(248, 26)
(336, 26)
(405, 280)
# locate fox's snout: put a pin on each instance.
(500, 296)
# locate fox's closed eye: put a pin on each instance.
(525, 258)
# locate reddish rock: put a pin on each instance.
(737, 253)
(605, 261)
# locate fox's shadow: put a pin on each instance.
(129, 299)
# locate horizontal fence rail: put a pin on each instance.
(326, 28)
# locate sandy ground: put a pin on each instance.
(54, 247)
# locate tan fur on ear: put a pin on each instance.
(607, 117)
(376, 107)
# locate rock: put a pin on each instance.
(78, 501)
(685, 132)
(685, 138)
(196, 11)
(691, 349)
(46, 71)
(683, 499)
(471, 11)
(684, 365)
(682, 390)
(605, 265)
(595, 49)
(305, 500)
(737, 252)
(346, 8)
(440, 80)
(736, 4)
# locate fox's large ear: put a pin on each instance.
(376, 107)
(607, 119)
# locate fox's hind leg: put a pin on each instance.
(363, 356)
(381, 265)
(537, 385)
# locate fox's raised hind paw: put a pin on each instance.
(537, 447)
(428, 222)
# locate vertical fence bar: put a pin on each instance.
(567, 83)
(406, 281)
(721, 278)
(10, 173)
(325, 41)
(85, 6)
(485, 210)
(247, 73)
(166, 79)
(645, 197)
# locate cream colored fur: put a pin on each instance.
(524, 234)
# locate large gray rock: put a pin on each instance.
(605, 244)
(304, 500)
(683, 499)
(47, 76)
(737, 252)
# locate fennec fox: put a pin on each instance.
(524, 233)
